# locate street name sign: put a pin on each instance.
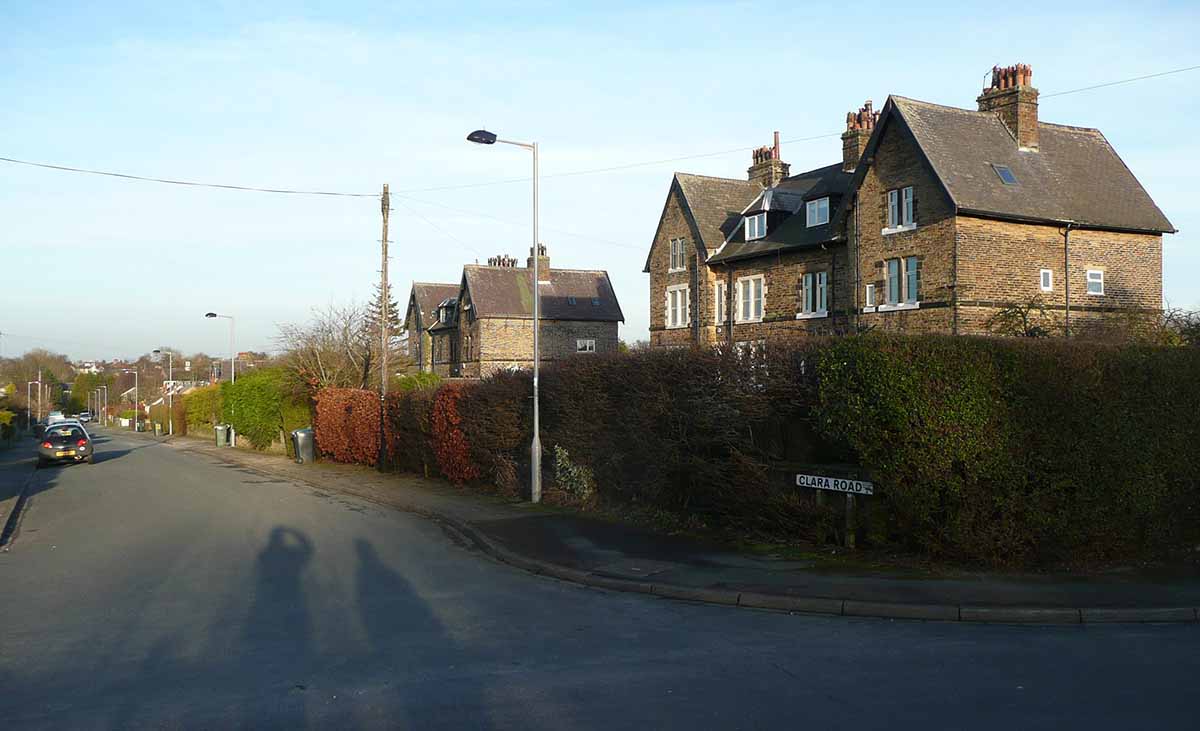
(836, 484)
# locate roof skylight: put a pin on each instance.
(1005, 173)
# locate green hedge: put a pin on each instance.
(258, 408)
(1015, 453)
(202, 407)
(1023, 453)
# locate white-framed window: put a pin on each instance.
(719, 302)
(815, 294)
(677, 314)
(585, 346)
(903, 284)
(751, 293)
(901, 210)
(817, 212)
(912, 280)
(678, 263)
(756, 226)
(870, 297)
(1046, 277)
(892, 292)
(1095, 281)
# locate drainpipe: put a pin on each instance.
(1067, 277)
(730, 302)
(857, 269)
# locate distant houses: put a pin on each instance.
(484, 323)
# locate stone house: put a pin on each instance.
(936, 219)
(421, 315)
(488, 324)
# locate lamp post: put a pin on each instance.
(104, 407)
(170, 391)
(232, 367)
(135, 396)
(483, 137)
(29, 403)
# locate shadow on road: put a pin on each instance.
(257, 661)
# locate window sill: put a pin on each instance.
(684, 326)
(677, 271)
(868, 309)
(1095, 294)
(812, 315)
(899, 229)
(747, 322)
(899, 307)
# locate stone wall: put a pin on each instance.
(783, 277)
(674, 225)
(898, 163)
(1000, 263)
(505, 343)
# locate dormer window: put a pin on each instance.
(817, 212)
(756, 226)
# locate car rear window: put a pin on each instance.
(65, 433)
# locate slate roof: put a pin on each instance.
(713, 205)
(1074, 176)
(792, 233)
(428, 295)
(506, 292)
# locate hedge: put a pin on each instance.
(203, 408)
(259, 410)
(1001, 452)
(163, 415)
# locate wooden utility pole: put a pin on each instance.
(384, 205)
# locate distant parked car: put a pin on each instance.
(54, 416)
(65, 443)
(85, 417)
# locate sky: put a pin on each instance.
(360, 94)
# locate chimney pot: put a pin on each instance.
(859, 126)
(768, 168)
(1014, 100)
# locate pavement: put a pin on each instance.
(168, 587)
(17, 462)
(611, 555)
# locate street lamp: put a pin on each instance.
(483, 137)
(104, 407)
(170, 391)
(135, 395)
(29, 402)
(232, 367)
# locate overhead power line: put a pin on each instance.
(1122, 81)
(192, 183)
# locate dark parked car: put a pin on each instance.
(65, 443)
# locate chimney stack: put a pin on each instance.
(859, 126)
(543, 260)
(502, 260)
(767, 169)
(1013, 98)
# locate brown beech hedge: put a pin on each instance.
(1010, 452)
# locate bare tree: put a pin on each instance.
(1023, 319)
(335, 348)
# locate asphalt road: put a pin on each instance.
(157, 588)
